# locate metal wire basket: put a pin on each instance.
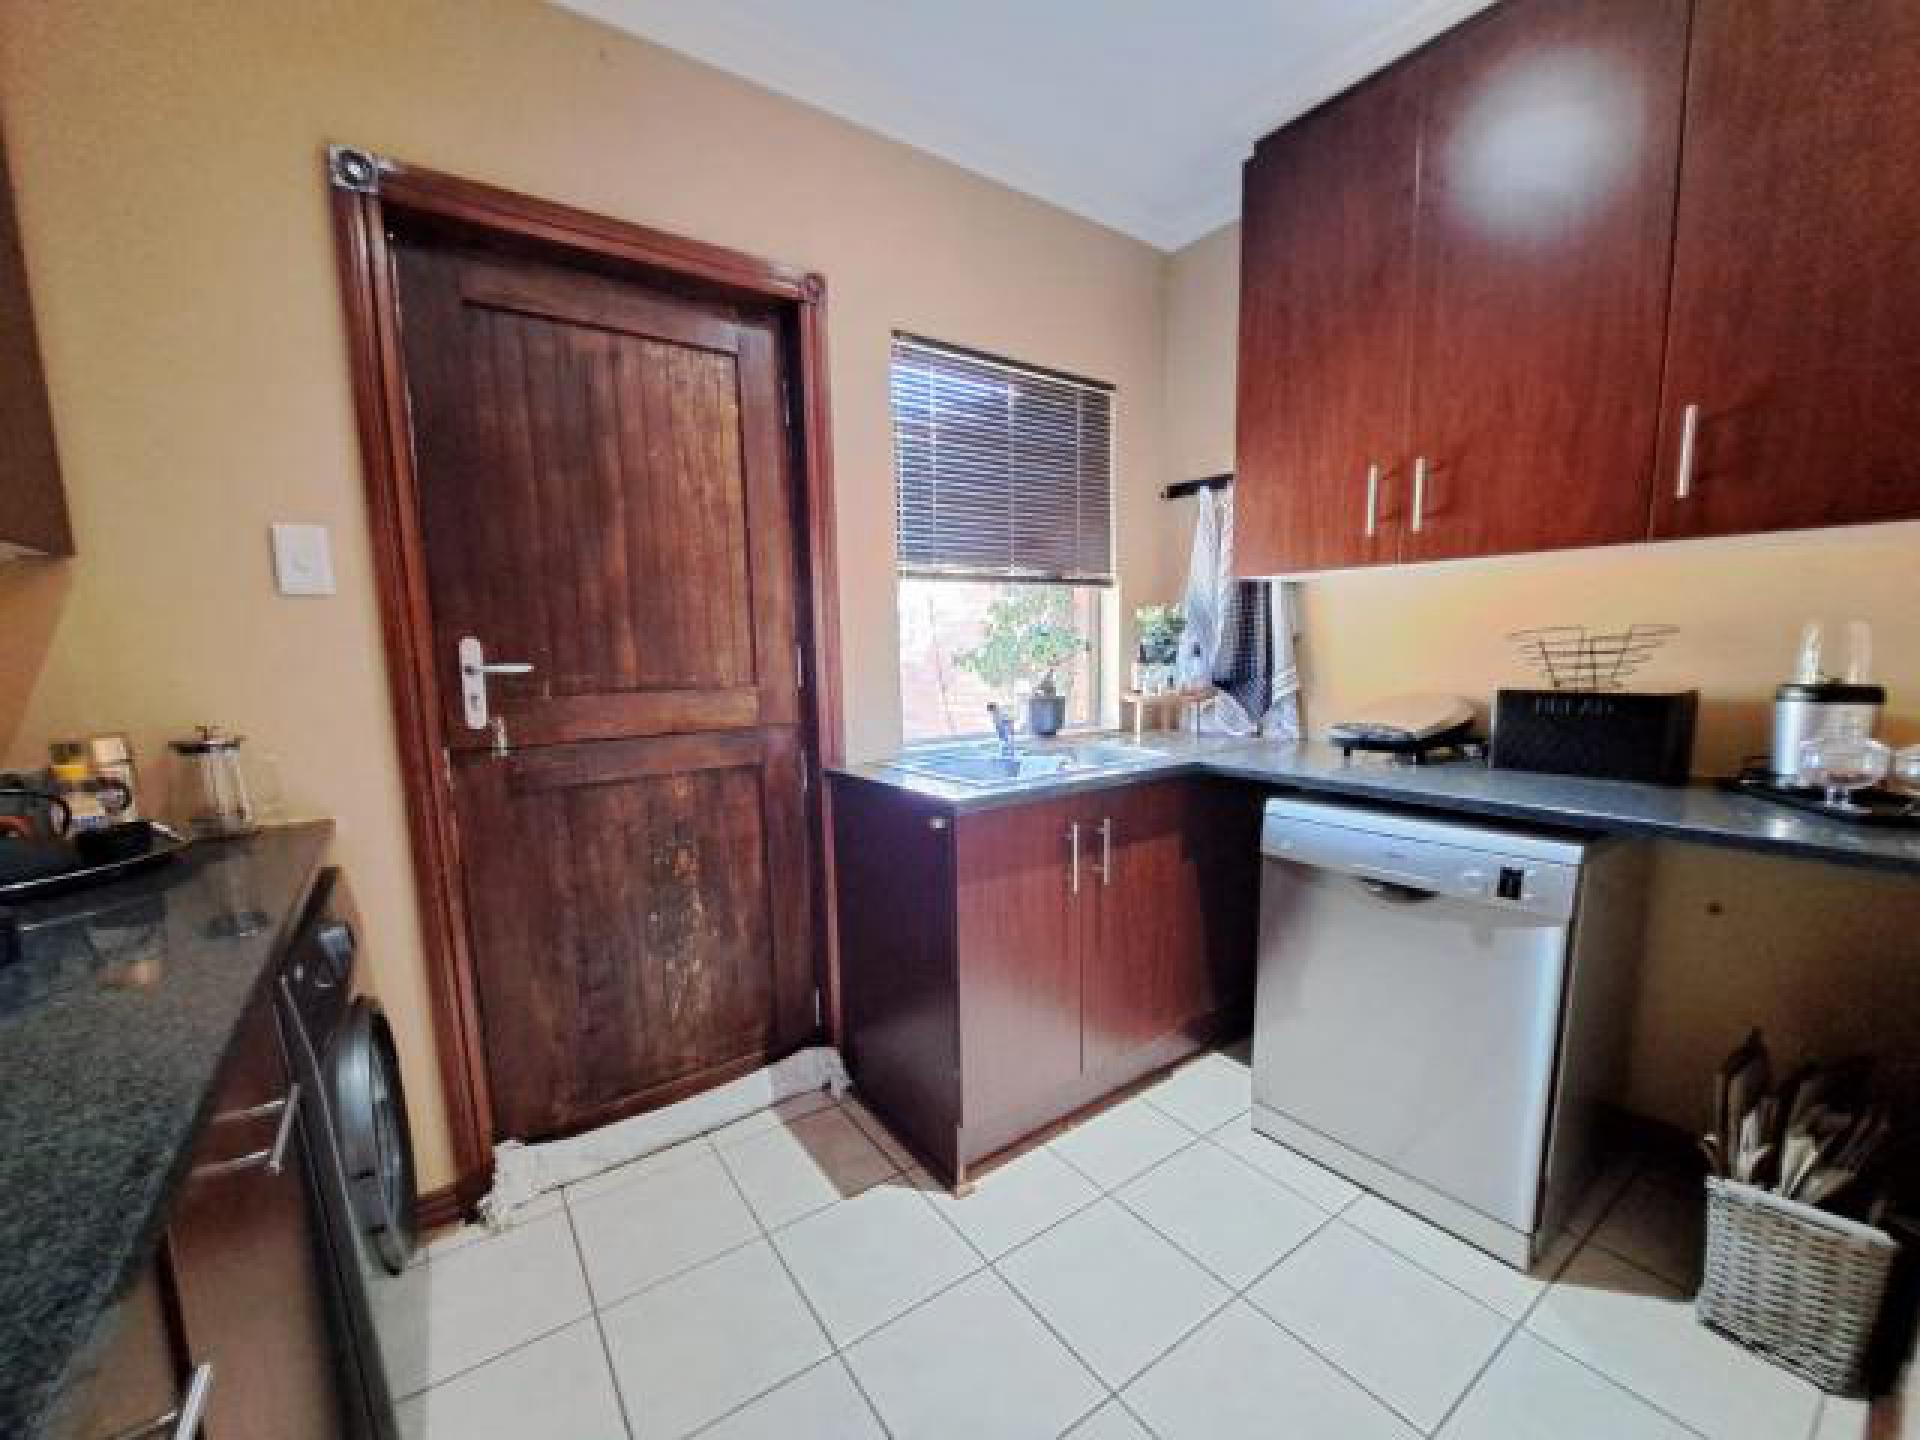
(1572, 657)
(1801, 1286)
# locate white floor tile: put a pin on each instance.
(696, 1347)
(1409, 1338)
(1533, 1392)
(1304, 1177)
(1111, 1421)
(973, 1364)
(480, 1301)
(1492, 1282)
(1118, 1144)
(1660, 1225)
(794, 1169)
(867, 1259)
(1241, 1375)
(1015, 1202)
(557, 1386)
(1616, 1172)
(877, 1131)
(1640, 1331)
(1844, 1420)
(450, 1238)
(771, 1118)
(823, 1404)
(1204, 1094)
(642, 1232)
(1115, 1291)
(647, 1166)
(1230, 1218)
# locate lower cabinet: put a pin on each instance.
(230, 1321)
(1004, 968)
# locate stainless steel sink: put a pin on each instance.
(985, 765)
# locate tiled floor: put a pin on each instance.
(1161, 1270)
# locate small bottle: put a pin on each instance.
(71, 782)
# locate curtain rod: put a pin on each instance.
(1181, 489)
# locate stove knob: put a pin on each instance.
(332, 954)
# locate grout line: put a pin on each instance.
(599, 1326)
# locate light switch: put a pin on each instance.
(302, 560)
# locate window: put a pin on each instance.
(1003, 477)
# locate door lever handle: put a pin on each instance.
(474, 670)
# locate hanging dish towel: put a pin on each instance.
(1240, 634)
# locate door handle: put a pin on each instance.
(273, 1159)
(182, 1422)
(474, 670)
(1689, 437)
(1073, 858)
(1373, 500)
(1106, 852)
(1419, 492)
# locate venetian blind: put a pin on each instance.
(1000, 471)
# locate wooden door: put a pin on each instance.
(603, 493)
(1326, 274)
(1172, 943)
(1795, 330)
(1020, 906)
(244, 1242)
(1549, 145)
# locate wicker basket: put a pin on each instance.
(1798, 1285)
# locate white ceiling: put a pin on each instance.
(1135, 113)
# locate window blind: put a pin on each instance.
(1001, 471)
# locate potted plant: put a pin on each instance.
(1029, 635)
(1160, 628)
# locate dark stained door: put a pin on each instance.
(1326, 274)
(1795, 331)
(1024, 882)
(1549, 144)
(604, 496)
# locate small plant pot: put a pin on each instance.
(1046, 714)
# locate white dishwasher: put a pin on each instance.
(1440, 1006)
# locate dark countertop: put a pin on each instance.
(1700, 813)
(115, 1018)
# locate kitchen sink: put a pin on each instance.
(985, 765)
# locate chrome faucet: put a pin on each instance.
(1003, 727)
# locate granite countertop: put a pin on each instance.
(116, 1014)
(1701, 813)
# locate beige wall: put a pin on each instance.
(1824, 958)
(167, 158)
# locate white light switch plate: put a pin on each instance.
(302, 560)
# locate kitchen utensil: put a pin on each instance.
(1831, 687)
(210, 785)
(1572, 657)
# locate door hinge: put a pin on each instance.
(786, 404)
(806, 778)
(818, 1014)
(800, 666)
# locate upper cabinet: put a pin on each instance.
(33, 506)
(1326, 263)
(1549, 140)
(1587, 271)
(1792, 395)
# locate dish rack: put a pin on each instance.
(1573, 657)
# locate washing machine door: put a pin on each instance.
(376, 1146)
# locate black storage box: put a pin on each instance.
(1607, 734)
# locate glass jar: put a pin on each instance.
(210, 797)
(1842, 760)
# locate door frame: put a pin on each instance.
(368, 190)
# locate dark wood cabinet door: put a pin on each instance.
(244, 1244)
(1549, 143)
(1795, 333)
(1326, 272)
(1018, 918)
(640, 917)
(136, 1373)
(1172, 943)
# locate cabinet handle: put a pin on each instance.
(182, 1423)
(1106, 852)
(1689, 433)
(274, 1159)
(1419, 492)
(938, 822)
(1073, 858)
(1373, 500)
